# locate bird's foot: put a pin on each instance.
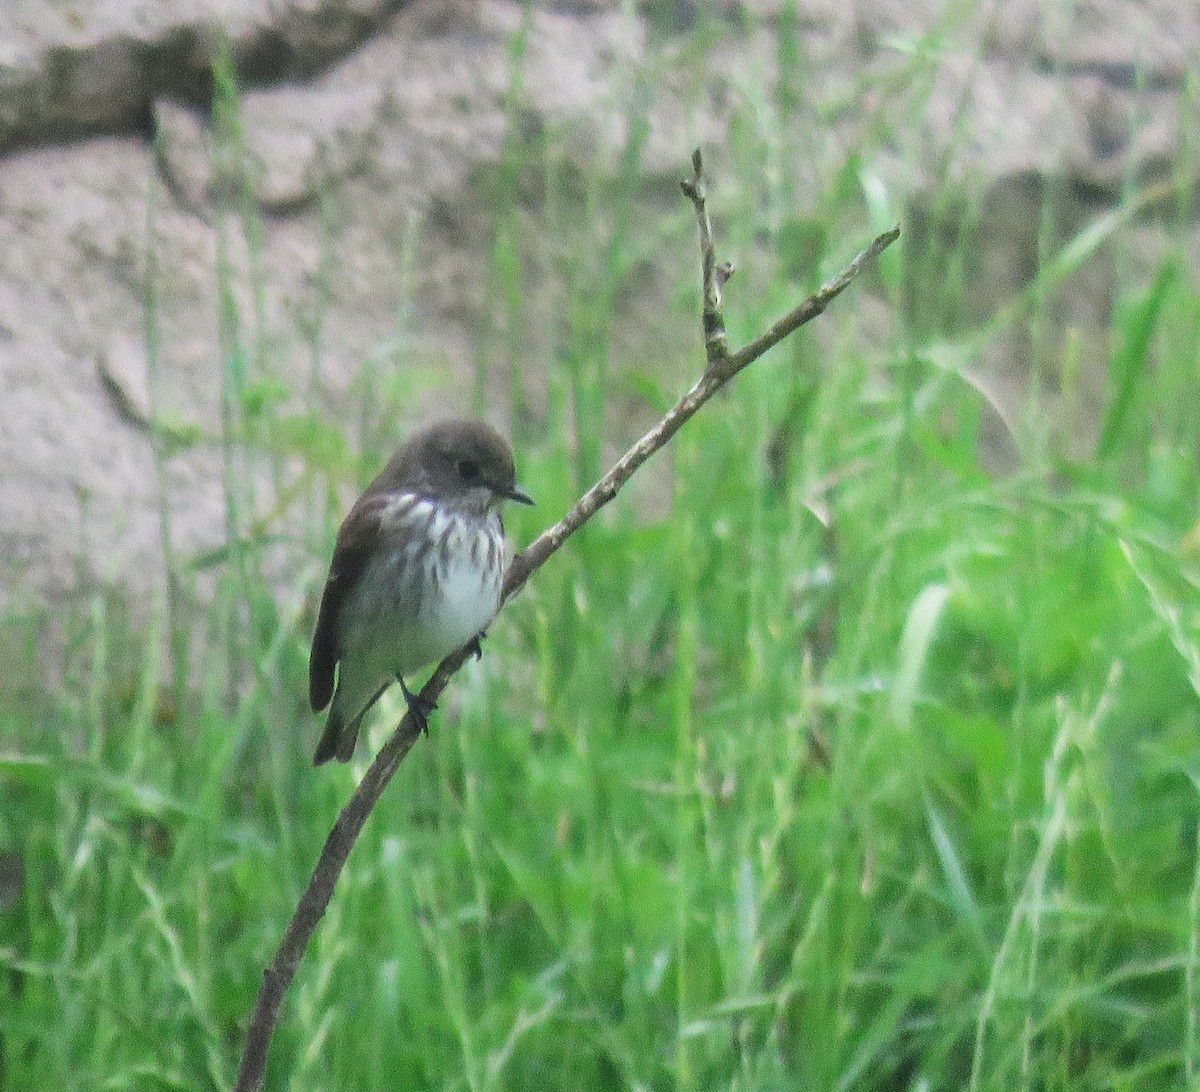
(474, 647)
(419, 707)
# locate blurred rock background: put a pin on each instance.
(375, 131)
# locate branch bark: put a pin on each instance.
(722, 366)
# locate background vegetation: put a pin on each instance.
(836, 759)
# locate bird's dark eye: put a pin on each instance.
(468, 470)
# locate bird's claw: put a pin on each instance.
(419, 707)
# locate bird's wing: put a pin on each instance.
(356, 542)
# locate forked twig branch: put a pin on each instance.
(722, 366)
(713, 276)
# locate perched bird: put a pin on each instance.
(416, 573)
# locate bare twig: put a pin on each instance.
(713, 275)
(722, 366)
(810, 308)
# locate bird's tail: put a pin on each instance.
(341, 732)
(338, 739)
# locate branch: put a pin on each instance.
(712, 275)
(722, 366)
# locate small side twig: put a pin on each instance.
(721, 367)
(713, 274)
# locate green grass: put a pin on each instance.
(835, 761)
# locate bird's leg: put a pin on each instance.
(418, 706)
(474, 647)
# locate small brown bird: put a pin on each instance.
(416, 573)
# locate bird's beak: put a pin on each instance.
(516, 493)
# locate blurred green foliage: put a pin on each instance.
(846, 763)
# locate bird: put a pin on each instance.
(416, 574)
